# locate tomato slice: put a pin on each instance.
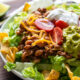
(44, 24)
(57, 35)
(61, 24)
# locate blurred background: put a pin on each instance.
(11, 6)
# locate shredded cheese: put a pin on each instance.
(2, 35)
(31, 19)
(41, 41)
(28, 29)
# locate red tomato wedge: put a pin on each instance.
(61, 24)
(44, 24)
(57, 35)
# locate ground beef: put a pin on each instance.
(41, 50)
(61, 53)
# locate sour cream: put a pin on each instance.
(61, 14)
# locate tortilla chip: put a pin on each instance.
(72, 77)
(53, 75)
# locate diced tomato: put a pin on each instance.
(57, 35)
(61, 24)
(54, 21)
(44, 24)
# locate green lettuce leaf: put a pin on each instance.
(9, 66)
(31, 72)
(57, 62)
(14, 40)
(20, 66)
(18, 56)
(13, 26)
(38, 75)
(70, 7)
(77, 71)
(43, 66)
(73, 62)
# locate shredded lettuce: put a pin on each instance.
(18, 56)
(73, 62)
(77, 71)
(57, 62)
(13, 26)
(43, 66)
(31, 72)
(14, 40)
(20, 66)
(70, 7)
(38, 75)
(9, 66)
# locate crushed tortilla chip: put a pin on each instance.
(53, 75)
(11, 55)
(72, 77)
(26, 7)
(2, 35)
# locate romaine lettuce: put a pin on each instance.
(13, 26)
(18, 56)
(31, 72)
(9, 66)
(57, 62)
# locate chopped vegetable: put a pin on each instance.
(73, 62)
(61, 24)
(57, 62)
(57, 35)
(38, 75)
(9, 66)
(30, 72)
(20, 66)
(13, 26)
(44, 24)
(70, 7)
(77, 71)
(44, 66)
(14, 40)
(18, 56)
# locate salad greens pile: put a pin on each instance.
(70, 7)
(13, 27)
(32, 70)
